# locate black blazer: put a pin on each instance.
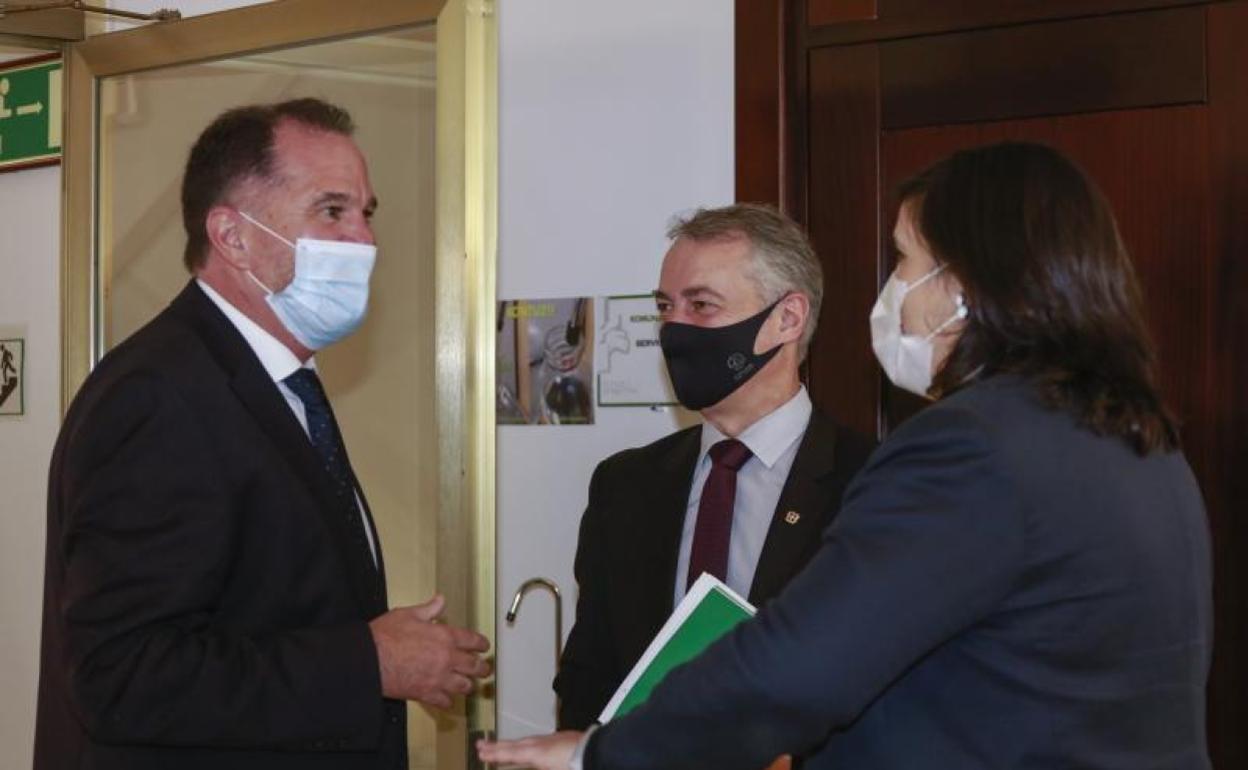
(1002, 589)
(206, 598)
(630, 540)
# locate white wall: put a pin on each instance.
(613, 116)
(29, 297)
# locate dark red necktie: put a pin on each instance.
(714, 528)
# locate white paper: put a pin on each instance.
(633, 372)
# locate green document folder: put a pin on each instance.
(708, 611)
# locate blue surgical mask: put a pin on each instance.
(328, 297)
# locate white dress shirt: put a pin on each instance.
(279, 363)
(773, 440)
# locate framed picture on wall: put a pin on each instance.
(12, 376)
(545, 361)
(633, 372)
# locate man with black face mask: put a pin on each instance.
(743, 496)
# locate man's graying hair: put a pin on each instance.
(781, 261)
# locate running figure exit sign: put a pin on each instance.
(30, 112)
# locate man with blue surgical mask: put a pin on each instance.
(215, 588)
(743, 496)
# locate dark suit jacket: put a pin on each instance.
(1002, 589)
(630, 539)
(206, 598)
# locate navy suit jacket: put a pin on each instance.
(630, 540)
(1002, 589)
(206, 597)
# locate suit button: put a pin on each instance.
(394, 718)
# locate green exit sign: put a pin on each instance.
(30, 112)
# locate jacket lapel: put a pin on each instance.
(805, 508)
(657, 538)
(260, 396)
(379, 568)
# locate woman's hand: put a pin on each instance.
(543, 752)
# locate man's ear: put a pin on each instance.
(224, 227)
(794, 310)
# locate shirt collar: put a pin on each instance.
(769, 437)
(274, 356)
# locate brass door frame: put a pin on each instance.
(466, 229)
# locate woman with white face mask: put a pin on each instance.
(919, 312)
(1020, 577)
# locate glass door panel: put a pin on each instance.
(381, 379)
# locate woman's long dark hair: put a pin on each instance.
(1052, 292)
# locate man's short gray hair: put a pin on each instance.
(781, 260)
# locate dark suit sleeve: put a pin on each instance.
(148, 540)
(588, 672)
(929, 540)
(852, 452)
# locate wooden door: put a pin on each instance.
(840, 101)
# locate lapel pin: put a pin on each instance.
(791, 517)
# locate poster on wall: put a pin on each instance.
(545, 362)
(633, 372)
(12, 376)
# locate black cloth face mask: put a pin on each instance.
(707, 364)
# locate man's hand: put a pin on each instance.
(424, 660)
(543, 752)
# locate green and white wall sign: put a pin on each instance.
(30, 112)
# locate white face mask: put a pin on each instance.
(905, 358)
(328, 297)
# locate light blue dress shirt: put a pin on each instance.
(773, 440)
